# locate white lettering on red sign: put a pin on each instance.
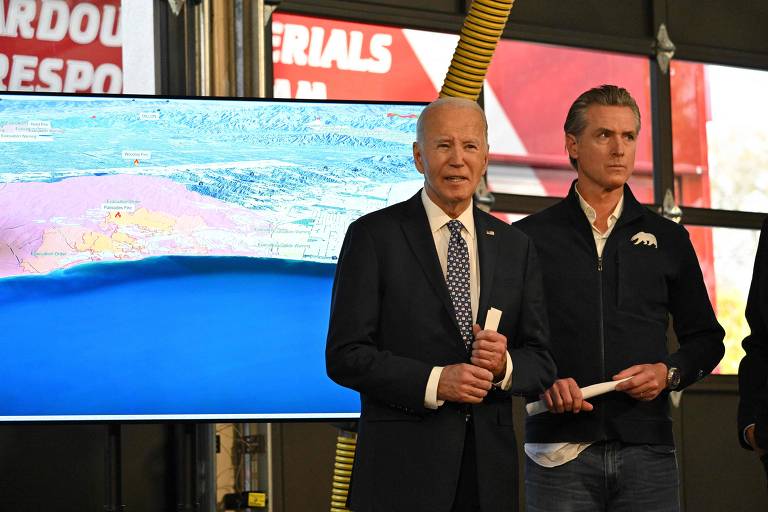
(89, 33)
(84, 23)
(18, 73)
(343, 49)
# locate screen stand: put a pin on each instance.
(113, 469)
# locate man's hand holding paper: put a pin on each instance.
(489, 351)
(645, 382)
(567, 385)
(565, 396)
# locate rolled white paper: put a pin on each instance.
(588, 392)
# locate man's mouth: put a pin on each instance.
(455, 179)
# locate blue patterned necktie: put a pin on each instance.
(457, 279)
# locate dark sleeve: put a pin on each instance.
(698, 332)
(533, 369)
(354, 356)
(753, 369)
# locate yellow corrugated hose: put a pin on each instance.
(342, 470)
(479, 36)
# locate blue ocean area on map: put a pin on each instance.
(170, 335)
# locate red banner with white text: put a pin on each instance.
(61, 46)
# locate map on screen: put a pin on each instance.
(170, 258)
(85, 181)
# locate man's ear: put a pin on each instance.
(417, 159)
(572, 146)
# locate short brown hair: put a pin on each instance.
(606, 95)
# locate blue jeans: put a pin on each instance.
(608, 476)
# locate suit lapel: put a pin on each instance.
(487, 249)
(417, 232)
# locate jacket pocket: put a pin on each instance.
(641, 288)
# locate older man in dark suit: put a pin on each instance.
(413, 282)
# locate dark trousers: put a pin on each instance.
(467, 496)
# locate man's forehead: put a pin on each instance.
(616, 118)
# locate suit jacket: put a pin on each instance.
(392, 321)
(753, 369)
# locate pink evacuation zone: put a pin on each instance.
(24, 205)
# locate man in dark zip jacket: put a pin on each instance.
(614, 272)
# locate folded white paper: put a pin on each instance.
(587, 392)
(492, 319)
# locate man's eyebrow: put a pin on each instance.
(609, 131)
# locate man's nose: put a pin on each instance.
(617, 146)
(457, 156)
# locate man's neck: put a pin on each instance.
(603, 201)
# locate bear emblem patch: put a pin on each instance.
(644, 238)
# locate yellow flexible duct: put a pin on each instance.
(479, 36)
(342, 470)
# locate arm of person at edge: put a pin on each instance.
(699, 334)
(353, 357)
(753, 368)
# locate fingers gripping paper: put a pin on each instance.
(588, 392)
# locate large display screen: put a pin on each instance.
(167, 258)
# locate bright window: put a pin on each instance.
(727, 258)
(720, 136)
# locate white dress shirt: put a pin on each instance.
(438, 221)
(550, 455)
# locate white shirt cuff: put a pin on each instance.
(506, 382)
(430, 395)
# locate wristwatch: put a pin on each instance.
(673, 378)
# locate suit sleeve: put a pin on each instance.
(698, 332)
(354, 356)
(753, 369)
(534, 370)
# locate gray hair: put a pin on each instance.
(606, 95)
(454, 102)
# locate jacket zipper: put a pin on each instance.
(602, 329)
